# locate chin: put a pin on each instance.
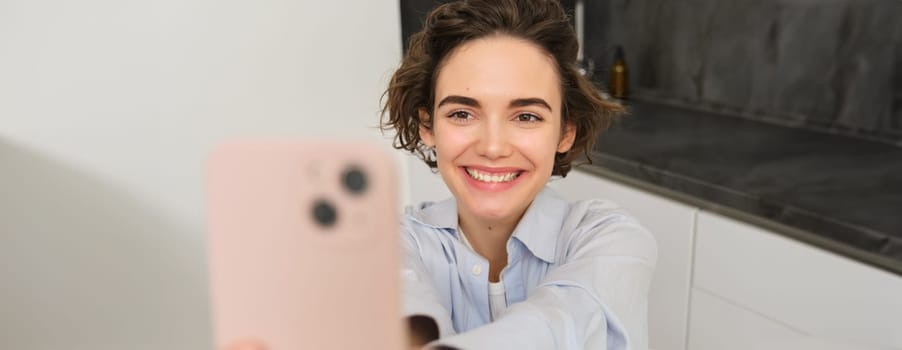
(501, 206)
(491, 211)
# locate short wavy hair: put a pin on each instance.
(541, 22)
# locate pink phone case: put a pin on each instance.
(280, 278)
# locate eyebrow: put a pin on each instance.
(535, 101)
(471, 102)
(466, 101)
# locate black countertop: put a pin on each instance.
(836, 192)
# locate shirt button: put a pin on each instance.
(476, 270)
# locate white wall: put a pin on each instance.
(424, 184)
(107, 109)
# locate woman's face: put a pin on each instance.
(497, 125)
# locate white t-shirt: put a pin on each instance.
(497, 299)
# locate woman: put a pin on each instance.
(489, 95)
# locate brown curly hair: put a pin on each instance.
(542, 22)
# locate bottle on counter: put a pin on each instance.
(618, 75)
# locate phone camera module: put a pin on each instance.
(324, 213)
(354, 180)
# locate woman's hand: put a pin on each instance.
(420, 331)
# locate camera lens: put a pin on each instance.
(354, 180)
(324, 213)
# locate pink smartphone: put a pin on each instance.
(303, 245)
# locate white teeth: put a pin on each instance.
(485, 177)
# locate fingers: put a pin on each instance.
(422, 330)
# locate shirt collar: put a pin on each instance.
(541, 224)
(440, 215)
(538, 229)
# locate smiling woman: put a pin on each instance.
(495, 122)
(490, 96)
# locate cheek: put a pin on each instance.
(539, 148)
(450, 142)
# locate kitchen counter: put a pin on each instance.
(839, 193)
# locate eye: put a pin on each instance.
(460, 115)
(528, 118)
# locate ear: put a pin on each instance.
(567, 138)
(426, 126)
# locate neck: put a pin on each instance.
(489, 238)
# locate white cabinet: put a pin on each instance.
(730, 285)
(671, 223)
(719, 324)
(788, 284)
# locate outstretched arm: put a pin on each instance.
(596, 298)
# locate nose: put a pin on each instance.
(494, 141)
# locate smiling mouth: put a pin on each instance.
(492, 177)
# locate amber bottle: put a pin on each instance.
(618, 75)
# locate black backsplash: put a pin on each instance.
(413, 13)
(830, 65)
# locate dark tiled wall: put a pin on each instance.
(824, 64)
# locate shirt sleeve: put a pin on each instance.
(595, 298)
(419, 296)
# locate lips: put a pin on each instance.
(492, 180)
(492, 176)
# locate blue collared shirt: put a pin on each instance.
(577, 277)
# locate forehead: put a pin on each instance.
(499, 67)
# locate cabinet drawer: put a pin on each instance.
(808, 289)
